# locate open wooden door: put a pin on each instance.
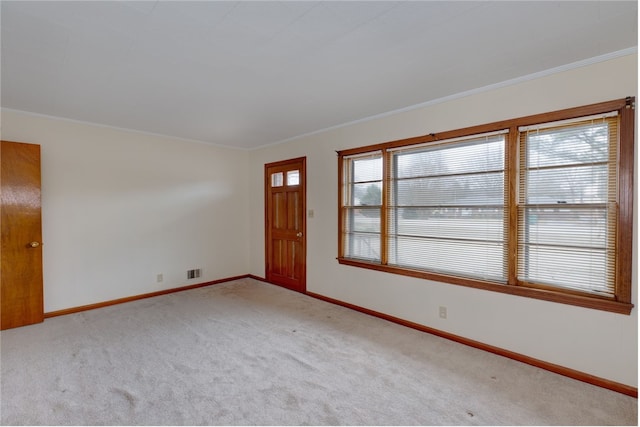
(21, 296)
(285, 223)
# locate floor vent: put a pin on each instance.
(194, 274)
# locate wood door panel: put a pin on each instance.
(285, 227)
(21, 277)
(280, 210)
(293, 208)
(295, 261)
(278, 265)
(286, 263)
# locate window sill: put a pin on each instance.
(542, 294)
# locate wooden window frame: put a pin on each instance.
(621, 303)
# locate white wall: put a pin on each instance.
(596, 342)
(121, 207)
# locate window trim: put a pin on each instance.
(624, 260)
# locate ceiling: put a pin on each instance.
(249, 74)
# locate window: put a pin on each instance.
(447, 208)
(362, 207)
(567, 209)
(277, 179)
(538, 206)
(293, 177)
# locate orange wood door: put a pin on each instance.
(20, 216)
(285, 205)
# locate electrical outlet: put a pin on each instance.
(443, 312)
(159, 277)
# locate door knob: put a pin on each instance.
(34, 244)
(299, 234)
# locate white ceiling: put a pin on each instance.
(247, 74)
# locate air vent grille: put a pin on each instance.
(194, 274)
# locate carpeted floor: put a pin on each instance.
(247, 353)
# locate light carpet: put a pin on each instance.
(250, 353)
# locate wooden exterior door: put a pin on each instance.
(285, 225)
(21, 276)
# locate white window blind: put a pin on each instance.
(567, 205)
(362, 205)
(447, 209)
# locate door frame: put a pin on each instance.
(267, 228)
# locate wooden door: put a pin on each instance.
(285, 225)
(21, 258)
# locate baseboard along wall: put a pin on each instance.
(561, 370)
(138, 297)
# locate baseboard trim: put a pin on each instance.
(567, 372)
(138, 297)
